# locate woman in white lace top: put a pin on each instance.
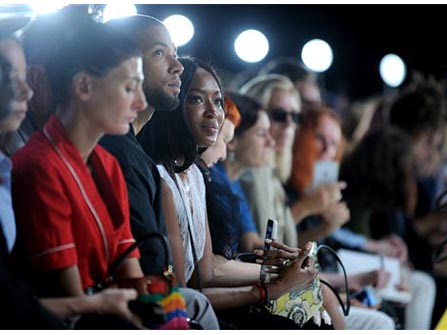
(175, 140)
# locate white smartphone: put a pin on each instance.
(325, 172)
(271, 232)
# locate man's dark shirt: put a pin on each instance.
(143, 185)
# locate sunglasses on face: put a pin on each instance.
(280, 115)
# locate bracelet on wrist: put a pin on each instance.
(263, 294)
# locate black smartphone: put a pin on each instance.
(150, 313)
(270, 233)
(247, 257)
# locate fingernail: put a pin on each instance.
(268, 241)
(259, 252)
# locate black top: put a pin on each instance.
(143, 185)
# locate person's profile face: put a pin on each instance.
(327, 138)
(254, 147)
(162, 69)
(204, 113)
(283, 131)
(117, 98)
(427, 152)
(13, 53)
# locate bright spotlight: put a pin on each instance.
(180, 28)
(47, 7)
(317, 55)
(117, 10)
(392, 70)
(251, 46)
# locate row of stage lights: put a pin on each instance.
(251, 45)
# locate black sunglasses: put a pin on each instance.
(280, 115)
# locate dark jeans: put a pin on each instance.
(107, 322)
(255, 318)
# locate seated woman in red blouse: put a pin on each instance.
(69, 194)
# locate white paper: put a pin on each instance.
(355, 262)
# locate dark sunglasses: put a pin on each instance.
(280, 115)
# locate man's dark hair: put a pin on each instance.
(134, 26)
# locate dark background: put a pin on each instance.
(360, 35)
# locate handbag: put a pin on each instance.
(306, 304)
(160, 303)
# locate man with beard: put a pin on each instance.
(161, 86)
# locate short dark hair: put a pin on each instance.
(6, 88)
(248, 108)
(134, 25)
(166, 136)
(418, 110)
(91, 47)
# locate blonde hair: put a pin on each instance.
(261, 88)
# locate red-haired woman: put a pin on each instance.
(319, 139)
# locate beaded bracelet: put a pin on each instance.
(263, 293)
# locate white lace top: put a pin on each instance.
(190, 204)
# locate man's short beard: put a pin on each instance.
(160, 100)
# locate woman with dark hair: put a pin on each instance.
(170, 140)
(252, 146)
(380, 175)
(225, 223)
(175, 141)
(69, 194)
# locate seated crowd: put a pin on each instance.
(106, 135)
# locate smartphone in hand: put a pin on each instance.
(247, 257)
(271, 233)
(325, 172)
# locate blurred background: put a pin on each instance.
(359, 36)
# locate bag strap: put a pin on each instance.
(116, 263)
(346, 308)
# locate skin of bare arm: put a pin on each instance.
(109, 301)
(332, 306)
(69, 281)
(130, 268)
